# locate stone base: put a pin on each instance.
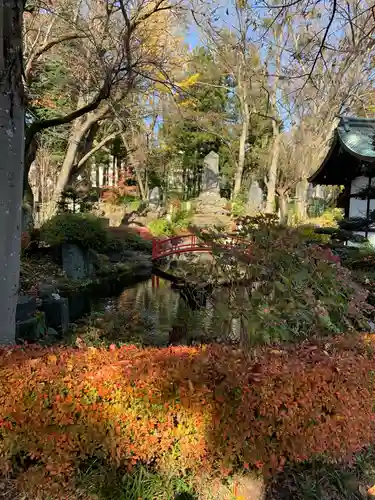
(31, 329)
(211, 203)
(57, 313)
(26, 307)
(211, 211)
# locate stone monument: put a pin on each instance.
(210, 175)
(210, 205)
(154, 198)
(76, 262)
(255, 199)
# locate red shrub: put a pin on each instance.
(185, 408)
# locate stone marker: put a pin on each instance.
(210, 175)
(75, 262)
(154, 198)
(255, 200)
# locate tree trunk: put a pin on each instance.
(138, 175)
(79, 131)
(301, 195)
(272, 171)
(11, 165)
(283, 205)
(30, 154)
(242, 147)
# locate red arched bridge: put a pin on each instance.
(192, 243)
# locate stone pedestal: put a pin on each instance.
(210, 207)
(30, 329)
(26, 307)
(57, 313)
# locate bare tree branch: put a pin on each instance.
(46, 47)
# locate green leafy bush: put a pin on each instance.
(292, 289)
(180, 221)
(128, 240)
(309, 234)
(83, 229)
(160, 227)
(329, 218)
(239, 205)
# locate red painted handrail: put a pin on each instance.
(189, 243)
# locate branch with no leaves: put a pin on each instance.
(37, 127)
(46, 47)
(84, 159)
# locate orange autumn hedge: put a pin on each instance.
(185, 408)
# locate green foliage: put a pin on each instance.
(50, 97)
(83, 229)
(84, 201)
(128, 240)
(239, 206)
(309, 234)
(209, 111)
(132, 202)
(180, 221)
(139, 484)
(298, 289)
(329, 218)
(160, 227)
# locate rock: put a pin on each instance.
(26, 307)
(30, 329)
(76, 263)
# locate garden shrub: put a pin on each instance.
(238, 208)
(160, 227)
(295, 289)
(309, 234)
(121, 240)
(329, 218)
(183, 409)
(179, 222)
(83, 229)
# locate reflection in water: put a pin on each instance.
(168, 318)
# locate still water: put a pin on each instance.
(155, 308)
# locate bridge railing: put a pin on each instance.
(177, 244)
(191, 242)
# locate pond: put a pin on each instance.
(153, 312)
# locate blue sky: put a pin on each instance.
(192, 37)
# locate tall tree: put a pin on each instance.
(11, 168)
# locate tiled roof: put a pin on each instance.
(353, 143)
(357, 136)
